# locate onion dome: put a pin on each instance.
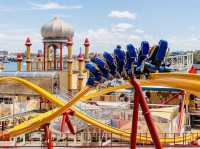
(57, 28)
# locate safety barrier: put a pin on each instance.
(102, 139)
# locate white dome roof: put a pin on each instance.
(57, 28)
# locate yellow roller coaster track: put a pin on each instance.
(187, 82)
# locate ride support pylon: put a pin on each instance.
(140, 99)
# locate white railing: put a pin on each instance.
(181, 61)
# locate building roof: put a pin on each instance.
(57, 29)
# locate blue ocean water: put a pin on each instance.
(12, 66)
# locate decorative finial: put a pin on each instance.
(56, 17)
(80, 56)
(28, 42)
(38, 54)
(86, 43)
(19, 54)
(69, 42)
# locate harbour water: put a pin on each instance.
(12, 66)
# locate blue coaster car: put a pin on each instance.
(120, 60)
(131, 59)
(94, 72)
(111, 63)
(142, 56)
(129, 64)
(150, 68)
(163, 46)
(102, 67)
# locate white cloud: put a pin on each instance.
(41, 6)
(184, 43)
(194, 39)
(139, 31)
(122, 14)
(6, 9)
(122, 27)
(53, 6)
(13, 40)
(192, 28)
(100, 35)
(106, 39)
(134, 37)
(2, 35)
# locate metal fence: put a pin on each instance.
(103, 140)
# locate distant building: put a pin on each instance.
(180, 60)
(3, 53)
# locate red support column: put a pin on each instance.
(61, 61)
(38, 67)
(62, 126)
(67, 121)
(181, 111)
(44, 58)
(69, 124)
(147, 115)
(133, 139)
(54, 60)
(48, 136)
(50, 141)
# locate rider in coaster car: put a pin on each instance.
(124, 65)
(120, 61)
(95, 75)
(103, 67)
(152, 54)
(111, 63)
(157, 55)
(131, 59)
(143, 54)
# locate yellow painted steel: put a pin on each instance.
(42, 119)
(19, 66)
(28, 61)
(86, 53)
(188, 82)
(69, 67)
(185, 81)
(48, 59)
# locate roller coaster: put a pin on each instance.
(142, 68)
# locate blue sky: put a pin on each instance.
(105, 22)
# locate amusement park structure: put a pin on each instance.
(137, 69)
